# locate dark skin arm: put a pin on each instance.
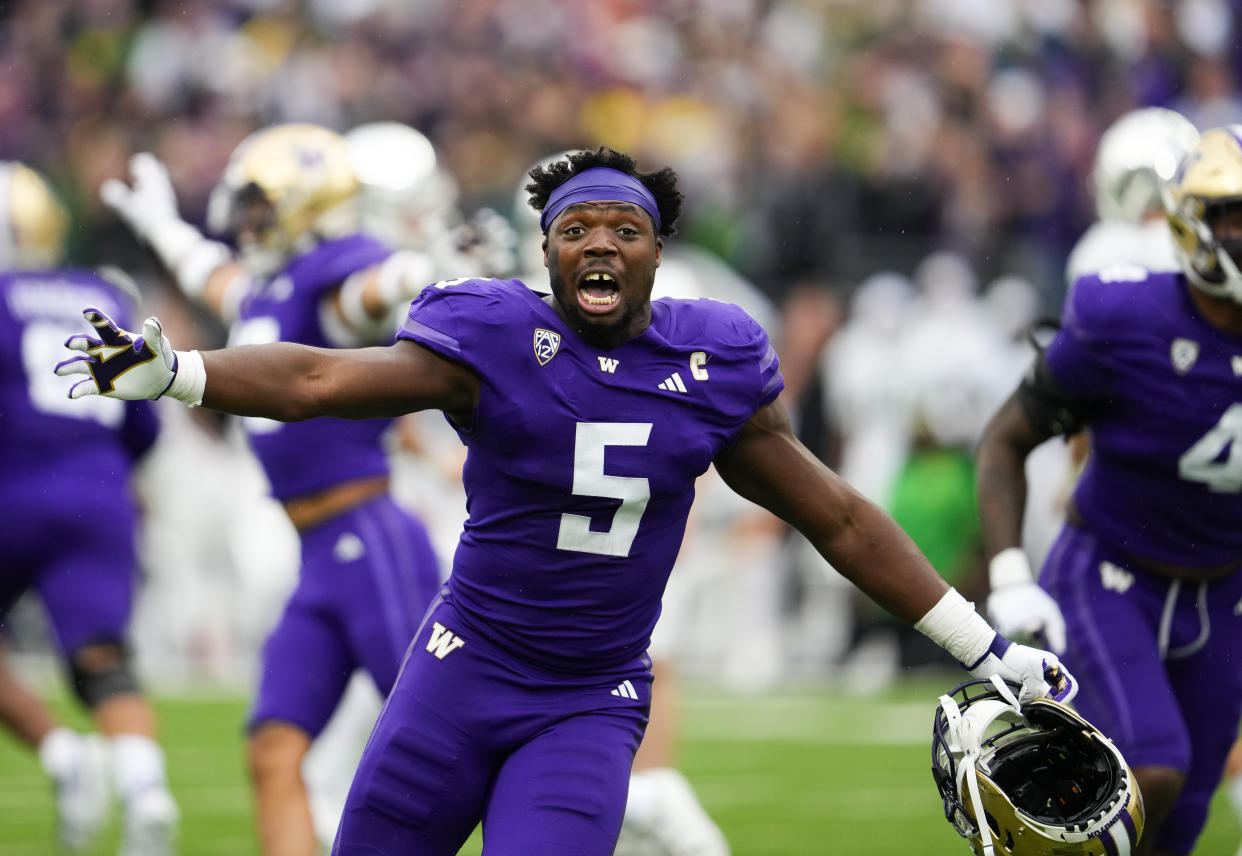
(1000, 474)
(769, 466)
(291, 382)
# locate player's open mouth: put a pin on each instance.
(598, 292)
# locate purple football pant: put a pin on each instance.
(471, 733)
(366, 580)
(1159, 667)
(71, 539)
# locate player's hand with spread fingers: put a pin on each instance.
(1018, 607)
(148, 206)
(130, 366)
(149, 201)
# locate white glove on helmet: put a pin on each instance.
(1039, 672)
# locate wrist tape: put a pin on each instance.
(189, 378)
(954, 625)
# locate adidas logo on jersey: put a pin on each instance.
(673, 383)
(625, 690)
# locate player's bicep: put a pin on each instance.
(291, 382)
(402, 378)
(769, 466)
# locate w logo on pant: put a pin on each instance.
(1116, 578)
(443, 641)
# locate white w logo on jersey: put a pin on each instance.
(608, 364)
(443, 641)
(1115, 578)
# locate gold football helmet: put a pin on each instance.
(1203, 202)
(1137, 154)
(284, 189)
(33, 223)
(1045, 781)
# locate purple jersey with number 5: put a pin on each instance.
(581, 461)
(301, 458)
(1164, 478)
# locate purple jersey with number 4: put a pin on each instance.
(1164, 478)
(302, 458)
(581, 461)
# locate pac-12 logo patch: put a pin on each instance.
(1183, 353)
(547, 343)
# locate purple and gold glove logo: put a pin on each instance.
(111, 353)
(1058, 681)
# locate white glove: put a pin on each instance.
(1039, 672)
(149, 202)
(148, 207)
(120, 364)
(1018, 607)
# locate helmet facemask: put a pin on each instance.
(1204, 207)
(1208, 239)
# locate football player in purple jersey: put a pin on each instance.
(1146, 570)
(588, 411)
(304, 272)
(68, 532)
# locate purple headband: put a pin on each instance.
(599, 184)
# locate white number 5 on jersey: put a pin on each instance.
(590, 480)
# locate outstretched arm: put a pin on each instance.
(280, 381)
(204, 270)
(292, 382)
(769, 466)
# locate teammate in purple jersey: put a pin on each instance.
(61, 467)
(368, 570)
(1146, 569)
(588, 412)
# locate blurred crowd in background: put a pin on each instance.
(898, 178)
(818, 140)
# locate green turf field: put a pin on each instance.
(790, 774)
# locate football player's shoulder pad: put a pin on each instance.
(1108, 303)
(708, 322)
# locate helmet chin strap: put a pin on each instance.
(966, 735)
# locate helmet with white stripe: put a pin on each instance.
(1043, 779)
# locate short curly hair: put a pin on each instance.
(662, 184)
